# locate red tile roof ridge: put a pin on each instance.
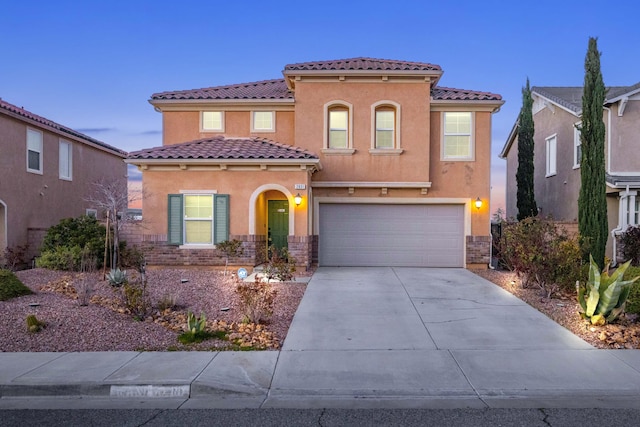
(21, 111)
(315, 64)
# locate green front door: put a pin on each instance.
(278, 213)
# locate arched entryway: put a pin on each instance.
(270, 215)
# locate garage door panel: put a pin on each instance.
(391, 235)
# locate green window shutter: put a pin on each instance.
(221, 218)
(175, 214)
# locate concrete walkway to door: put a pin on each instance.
(444, 336)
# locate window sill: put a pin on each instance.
(458, 159)
(338, 151)
(386, 151)
(576, 166)
(37, 172)
(62, 178)
(550, 175)
(263, 130)
(195, 246)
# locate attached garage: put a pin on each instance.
(391, 235)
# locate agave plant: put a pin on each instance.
(195, 324)
(603, 297)
(117, 277)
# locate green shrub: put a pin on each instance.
(603, 297)
(131, 256)
(633, 300)
(11, 286)
(543, 253)
(13, 258)
(64, 240)
(136, 300)
(61, 258)
(630, 242)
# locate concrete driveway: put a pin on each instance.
(445, 336)
(418, 309)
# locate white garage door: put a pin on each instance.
(391, 235)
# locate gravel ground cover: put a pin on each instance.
(105, 325)
(564, 310)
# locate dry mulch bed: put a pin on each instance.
(106, 325)
(564, 310)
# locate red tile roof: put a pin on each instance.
(266, 89)
(221, 147)
(277, 89)
(354, 64)
(450, 94)
(58, 128)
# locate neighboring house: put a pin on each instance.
(557, 115)
(46, 171)
(355, 162)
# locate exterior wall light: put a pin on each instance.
(297, 199)
(478, 203)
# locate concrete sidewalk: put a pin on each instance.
(362, 338)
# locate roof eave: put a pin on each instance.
(223, 161)
(159, 103)
(493, 105)
(108, 149)
(510, 139)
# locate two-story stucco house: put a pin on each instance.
(557, 115)
(46, 171)
(355, 162)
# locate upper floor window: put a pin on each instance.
(551, 157)
(263, 121)
(338, 128)
(34, 151)
(458, 137)
(338, 134)
(212, 121)
(386, 128)
(577, 147)
(65, 160)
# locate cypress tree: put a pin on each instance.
(592, 202)
(525, 198)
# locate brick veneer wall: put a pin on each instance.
(478, 249)
(301, 248)
(35, 237)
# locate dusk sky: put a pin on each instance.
(92, 66)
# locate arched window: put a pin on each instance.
(338, 130)
(385, 128)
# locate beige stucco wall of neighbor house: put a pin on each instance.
(39, 201)
(624, 138)
(184, 126)
(410, 166)
(553, 193)
(240, 185)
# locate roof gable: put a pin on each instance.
(25, 115)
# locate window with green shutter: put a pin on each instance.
(198, 219)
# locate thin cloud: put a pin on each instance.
(96, 130)
(151, 132)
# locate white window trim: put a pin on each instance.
(36, 171)
(472, 139)
(576, 143)
(273, 122)
(91, 212)
(548, 172)
(211, 130)
(325, 144)
(62, 142)
(397, 147)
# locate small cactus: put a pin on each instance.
(33, 324)
(117, 277)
